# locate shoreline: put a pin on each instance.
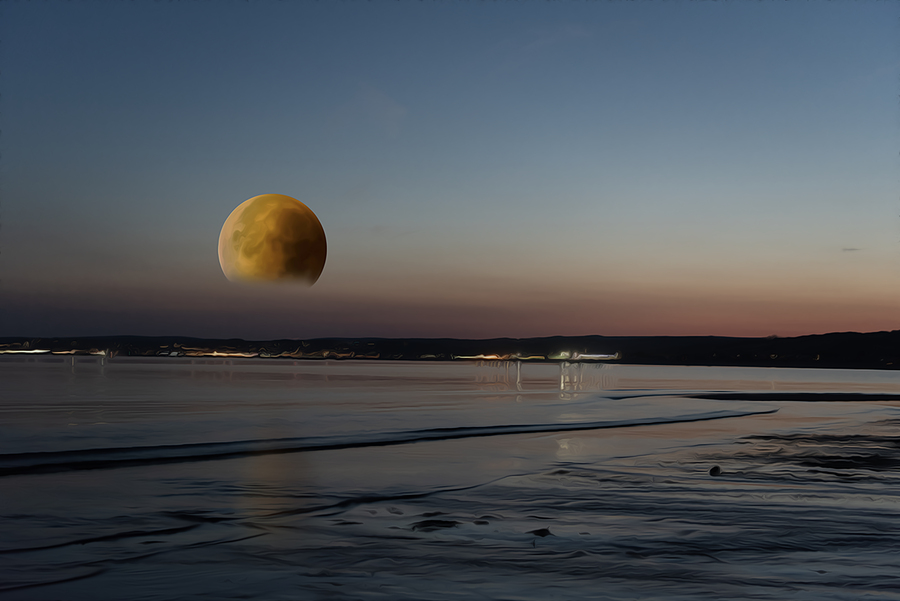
(844, 350)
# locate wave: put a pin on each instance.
(110, 458)
(767, 396)
(777, 395)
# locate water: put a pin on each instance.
(174, 478)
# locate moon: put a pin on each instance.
(272, 238)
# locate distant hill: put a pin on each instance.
(874, 350)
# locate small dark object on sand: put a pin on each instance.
(715, 470)
(432, 525)
(541, 532)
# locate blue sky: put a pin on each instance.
(481, 169)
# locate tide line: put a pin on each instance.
(111, 458)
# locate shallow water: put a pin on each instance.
(173, 478)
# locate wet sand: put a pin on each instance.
(804, 504)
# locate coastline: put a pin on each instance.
(841, 350)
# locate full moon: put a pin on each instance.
(271, 238)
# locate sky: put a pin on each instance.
(481, 169)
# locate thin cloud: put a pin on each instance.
(373, 107)
(557, 35)
(539, 38)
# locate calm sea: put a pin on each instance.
(179, 478)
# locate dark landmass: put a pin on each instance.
(874, 350)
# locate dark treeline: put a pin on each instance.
(876, 350)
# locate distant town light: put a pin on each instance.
(23, 352)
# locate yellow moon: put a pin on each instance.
(272, 237)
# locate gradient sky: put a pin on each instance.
(481, 169)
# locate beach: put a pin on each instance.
(164, 478)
